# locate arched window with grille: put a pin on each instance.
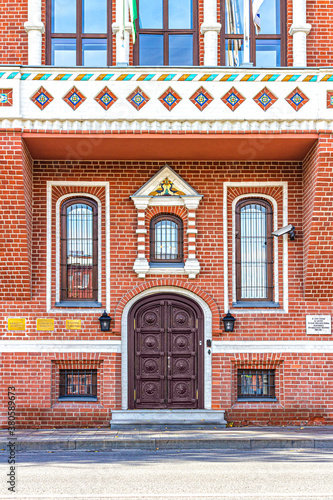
(166, 239)
(79, 250)
(254, 250)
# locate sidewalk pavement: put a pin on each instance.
(104, 439)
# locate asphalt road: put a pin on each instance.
(172, 475)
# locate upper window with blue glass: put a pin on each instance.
(267, 33)
(167, 33)
(79, 33)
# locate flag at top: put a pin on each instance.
(256, 4)
(134, 16)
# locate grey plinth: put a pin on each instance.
(168, 417)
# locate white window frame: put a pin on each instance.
(257, 194)
(106, 186)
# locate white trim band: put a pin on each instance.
(60, 346)
(249, 346)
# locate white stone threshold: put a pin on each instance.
(168, 417)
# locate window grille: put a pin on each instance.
(78, 384)
(79, 247)
(256, 384)
(166, 239)
(254, 250)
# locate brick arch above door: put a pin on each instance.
(174, 283)
(207, 336)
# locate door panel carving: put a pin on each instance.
(166, 354)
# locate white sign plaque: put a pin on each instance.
(318, 325)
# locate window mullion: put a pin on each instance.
(166, 32)
(79, 32)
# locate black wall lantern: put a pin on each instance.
(105, 321)
(228, 322)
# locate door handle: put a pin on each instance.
(168, 362)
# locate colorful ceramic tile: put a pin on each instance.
(74, 98)
(233, 99)
(6, 97)
(201, 99)
(265, 99)
(166, 188)
(297, 99)
(330, 99)
(42, 98)
(138, 98)
(106, 98)
(170, 99)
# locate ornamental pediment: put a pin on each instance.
(166, 187)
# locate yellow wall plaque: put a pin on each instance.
(16, 324)
(73, 324)
(45, 324)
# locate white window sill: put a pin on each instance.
(191, 268)
(166, 270)
(256, 304)
(88, 304)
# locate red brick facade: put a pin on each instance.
(35, 377)
(34, 185)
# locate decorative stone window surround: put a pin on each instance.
(257, 190)
(190, 200)
(74, 189)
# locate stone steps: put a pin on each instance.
(169, 418)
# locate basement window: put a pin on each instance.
(257, 385)
(78, 385)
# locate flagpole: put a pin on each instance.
(246, 49)
(122, 36)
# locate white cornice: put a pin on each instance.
(204, 126)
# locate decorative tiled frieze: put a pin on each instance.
(170, 99)
(233, 99)
(297, 99)
(106, 98)
(265, 99)
(137, 76)
(138, 99)
(42, 98)
(330, 98)
(6, 97)
(228, 112)
(74, 98)
(201, 99)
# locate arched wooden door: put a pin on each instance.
(166, 353)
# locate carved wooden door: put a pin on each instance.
(166, 354)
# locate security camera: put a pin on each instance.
(284, 230)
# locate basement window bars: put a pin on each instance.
(78, 384)
(166, 239)
(254, 250)
(79, 249)
(256, 385)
